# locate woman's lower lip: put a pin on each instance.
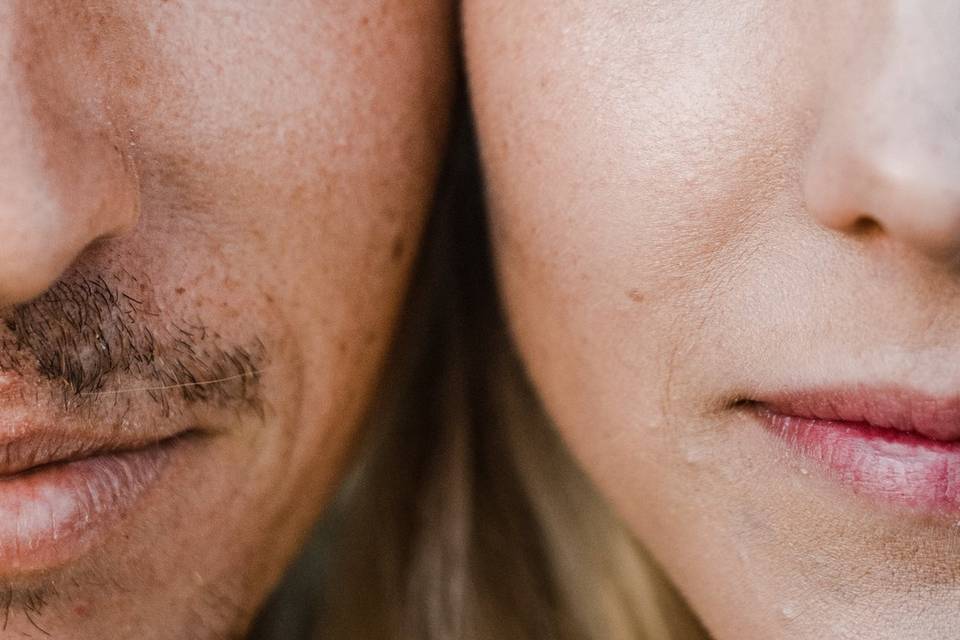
(889, 466)
(54, 514)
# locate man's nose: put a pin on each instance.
(65, 180)
(886, 155)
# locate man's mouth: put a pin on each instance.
(64, 484)
(891, 444)
(99, 391)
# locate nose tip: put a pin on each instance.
(55, 205)
(27, 261)
(65, 183)
(886, 145)
(911, 197)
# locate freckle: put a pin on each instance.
(636, 295)
(399, 245)
(299, 193)
(181, 291)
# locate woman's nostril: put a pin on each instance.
(866, 225)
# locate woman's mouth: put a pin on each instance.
(889, 444)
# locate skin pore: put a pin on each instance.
(208, 212)
(699, 203)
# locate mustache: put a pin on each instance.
(94, 339)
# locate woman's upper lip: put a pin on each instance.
(890, 407)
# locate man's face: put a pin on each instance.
(208, 211)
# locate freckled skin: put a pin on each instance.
(695, 200)
(262, 170)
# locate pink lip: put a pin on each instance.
(890, 444)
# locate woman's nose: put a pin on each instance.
(886, 154)
(65, 181)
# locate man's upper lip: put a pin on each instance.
(892, 407)
(30, 440)
(23, 449)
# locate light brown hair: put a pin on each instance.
(464, 516)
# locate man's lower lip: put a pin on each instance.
(888, 466)
(54, 514)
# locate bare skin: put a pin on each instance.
(696, 203)
(208, 212)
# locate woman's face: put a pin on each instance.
(728, 237)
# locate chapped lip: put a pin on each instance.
(33, 438)
(37, 448)
(68, 478)
(893, 407)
